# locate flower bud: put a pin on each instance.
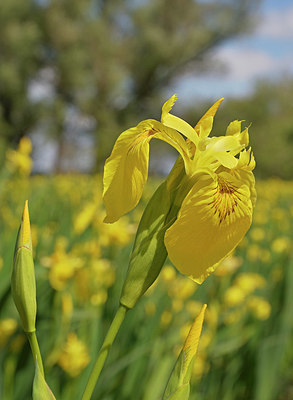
(23, 283)
(178, 387)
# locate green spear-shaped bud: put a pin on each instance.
(23, 282)
(178, 386)
(41, 390)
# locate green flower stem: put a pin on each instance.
(104, 351)
(35, 349)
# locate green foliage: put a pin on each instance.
(245, 328)
(110, 59)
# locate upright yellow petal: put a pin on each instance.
(214, 217)
(177, 123)
(234, 129)
(210, 113)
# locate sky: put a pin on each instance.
(265, 53)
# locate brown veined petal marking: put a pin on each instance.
(214, 217)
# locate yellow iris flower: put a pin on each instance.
(216, 190)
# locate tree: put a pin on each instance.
(110, 59)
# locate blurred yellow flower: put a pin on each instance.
(253, 252)
(74, 356)
(168, 273)
(62, 264)
(177, 305)
(234, 296)
(84, 218)
(257, 234)
(166, 318)
(250, 281)
(67, 306)
(216, 192)
(118, 234)
(7, 328)
(281, 245)
(20, 160)
(260, 307)
(99, 298)
(60, 272)
(181, 288)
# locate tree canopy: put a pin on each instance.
(109, 59)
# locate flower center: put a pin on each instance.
(225, 199)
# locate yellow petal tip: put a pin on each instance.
(26, 232)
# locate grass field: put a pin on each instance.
(246, 349)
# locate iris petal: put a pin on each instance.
(210, 113)
(126, 170)
(214, 217)
(177, 123)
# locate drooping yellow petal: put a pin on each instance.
(214, 217)
(126, 169)
(177, 123)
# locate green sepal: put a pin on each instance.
(41, 390)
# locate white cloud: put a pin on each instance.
(276, 24)
(246, 63)
(243, 62)
(265, 53)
